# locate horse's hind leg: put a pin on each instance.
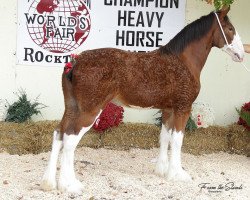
(175, 170)
(67, 179)
(165, 137)
(49, 177)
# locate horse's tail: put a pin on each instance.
(67, 84)
(70, 104)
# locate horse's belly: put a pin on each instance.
(119, 103)
(141, 102)
(138, 107)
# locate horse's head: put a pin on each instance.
(227, 37)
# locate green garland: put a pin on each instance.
(218, 4)
(23, 109)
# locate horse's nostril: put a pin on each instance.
(237, 55)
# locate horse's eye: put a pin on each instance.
(231, 29)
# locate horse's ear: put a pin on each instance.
(223, 11)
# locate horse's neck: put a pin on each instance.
(196, 53)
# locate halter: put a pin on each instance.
(230, 46)
(223, 33)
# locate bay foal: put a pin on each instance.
(167, 79)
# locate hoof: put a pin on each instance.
(48, 185)
(75, 187)
(161, 168)
(178, 175)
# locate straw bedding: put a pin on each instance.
(37, 137)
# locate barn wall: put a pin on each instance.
(225, 84)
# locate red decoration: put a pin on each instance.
(246, 108)
(111, 116)
(69, 65)
(199, 120)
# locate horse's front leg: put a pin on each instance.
(175, 170)
(162, 162)
(165, 137)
